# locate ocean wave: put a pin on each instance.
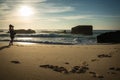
(66, 41)
(53, 38)
(4, 35)
(38, 35)
(42, 35)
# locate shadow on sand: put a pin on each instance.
(3, 47)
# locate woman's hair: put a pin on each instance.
(11, 26)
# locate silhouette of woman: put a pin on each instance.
(12, 34)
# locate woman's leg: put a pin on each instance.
(11, 41)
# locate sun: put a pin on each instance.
(25, 11)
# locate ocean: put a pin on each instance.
(54, 37)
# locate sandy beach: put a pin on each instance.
(59, 62)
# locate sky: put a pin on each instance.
(60, 14)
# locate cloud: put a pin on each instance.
(109, 16)
(40, 7)
(71, 17)
(77, 17)
(15, 3)
(43, 10)
(33, 1)
(22, 1)
(4, 7)
(52, 8)
(105, 16)
(61, 18)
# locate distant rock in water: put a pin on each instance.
(82, 29)
(1, 31)
(20, 31)
(109, 37)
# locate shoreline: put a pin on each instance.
(32, 43)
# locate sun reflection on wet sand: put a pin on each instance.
(25, 43)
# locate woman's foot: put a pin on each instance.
(10, 44)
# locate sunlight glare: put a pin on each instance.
(26, 11)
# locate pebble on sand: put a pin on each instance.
(56, 68)
(15, 62)
(67, 63)
(75, 69)
(104, 55)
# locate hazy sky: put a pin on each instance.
(60, 14)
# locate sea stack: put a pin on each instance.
(109, 37)
(23, 31)
(82, 29)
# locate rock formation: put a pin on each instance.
(1, 30)
(109, 37)
(20, 31)
(82, 29)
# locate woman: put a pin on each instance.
(12, 34)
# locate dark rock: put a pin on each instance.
(86, 68)
(82, 29)
(104, 55)
(94, 75)
(100, 76)
(109, 37)
(108, 72)
(1, 31)
(79, 69)
(73, 70)
(117, 69)
(83, 69)
(20, 31)
(93, 60)
(51, 66)
(114, 69)
(60, 69)
(15, 62)
(92, 72)
(66, 62)
(66, 71)
(45, 66)
(111, 68)
(113, 72)
(57, 69)
(76, 67)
